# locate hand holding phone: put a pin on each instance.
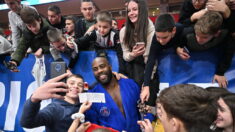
(57, 69)
(11, 66)
(186, 49)
(138, 49)
(183, 53)
(139, 45)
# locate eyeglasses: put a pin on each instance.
(199, 1)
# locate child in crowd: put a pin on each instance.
(58, 45)
(34, 36)
(105, 38)
(114, 24)
(167, 35)
(208, 35)
(57, 115)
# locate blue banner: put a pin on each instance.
(15, 88)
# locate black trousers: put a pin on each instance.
(135, 70)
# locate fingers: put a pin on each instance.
(122, 76)
(69, 72)
(135, 47)
(116, 75)
(224, 84)
(13, 62)
(58, 84)
(142, 124)
(144, 94)
(54, 93)
(221, 84)
(58, 90)
(184, 56)
(213, 81)
(139, 48)
(146, 125)
(87, 103)
(56, 79)
(141, 51)
(137, 51)
(139, 122)
(57, 96)
(87, 125)
(69, 42)
(147, 121)
(144, 97)
(147, 97)
(15, 70)
(71, 46)
(119, 75)
(85, 106)
(222, 81)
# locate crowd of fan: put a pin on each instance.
(204, 25)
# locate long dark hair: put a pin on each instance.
(138, 32)
(229, 100)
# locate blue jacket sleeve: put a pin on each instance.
(32, 116)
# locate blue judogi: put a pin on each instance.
(108, 114)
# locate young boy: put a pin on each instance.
(167, 35)
(58, 44)
(205, 36)
(34, 36)
(57, 115)
(105, 38)
(70, 25)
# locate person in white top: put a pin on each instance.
(136, 38)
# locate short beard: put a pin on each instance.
(105, 82)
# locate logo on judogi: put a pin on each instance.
(104, 111)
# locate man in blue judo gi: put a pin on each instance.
(120, 110)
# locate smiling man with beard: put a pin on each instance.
(120, 109)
